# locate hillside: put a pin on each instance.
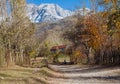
(52, 32)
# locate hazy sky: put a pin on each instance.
(66, 4)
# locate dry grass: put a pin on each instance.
(21, 75)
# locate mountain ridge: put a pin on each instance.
(46, 12)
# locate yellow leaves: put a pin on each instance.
(18, 8)
(118, 25)
(107, 1)
(114, 21)
(77, 54)
(104, 14)
(95, 42)
(111, 32)
(46, 43)
(104, 26)
(96, 38)
(114, 2)
(113, 10)
(32, 53)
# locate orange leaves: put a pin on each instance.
(114, 2)
(106, 1)
(93, 28)
(78, 54)
(89, 31)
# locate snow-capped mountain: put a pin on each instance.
(51, 12)
(46, 13)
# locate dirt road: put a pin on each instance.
(61, 74)
(76, 74)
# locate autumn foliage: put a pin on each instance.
(99, 33)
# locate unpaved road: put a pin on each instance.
(61, 74)
(76, 74)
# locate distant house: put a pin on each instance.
(56, 48)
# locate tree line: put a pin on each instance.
(96, 36)
(17, 34)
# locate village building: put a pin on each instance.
(60, 48)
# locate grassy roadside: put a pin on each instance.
(21, 75)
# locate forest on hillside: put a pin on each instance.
(95, 38)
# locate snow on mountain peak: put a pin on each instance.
(51, 12)
(46, 12)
